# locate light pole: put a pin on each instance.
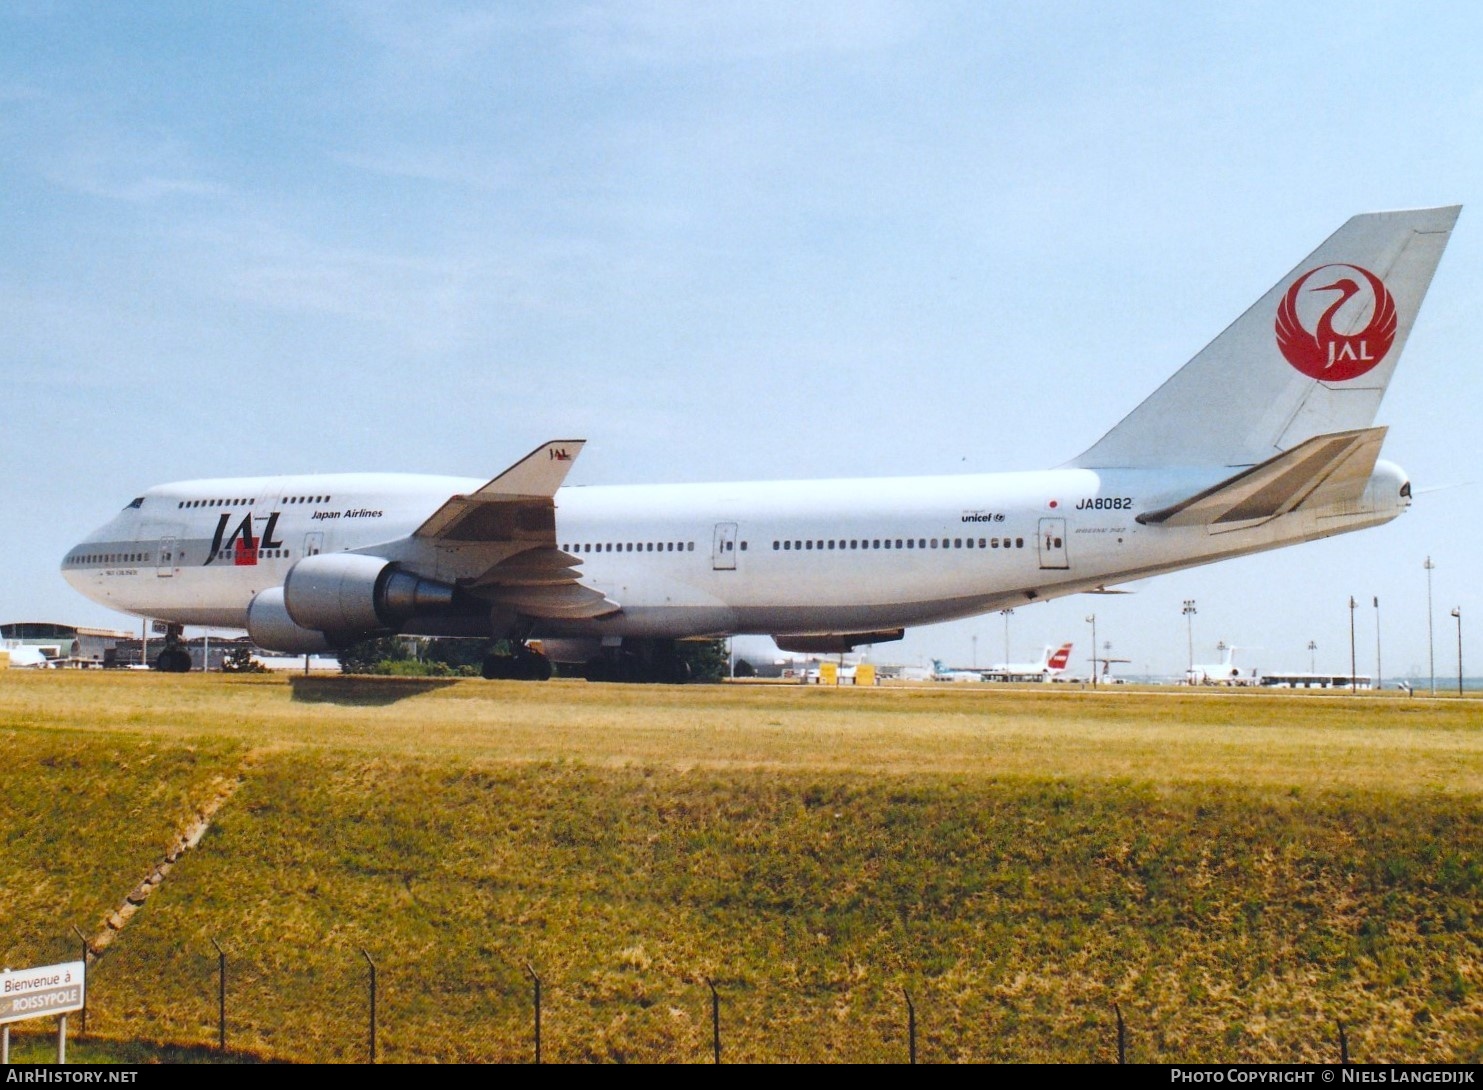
(1353, 682)
(1379, 677)
(1006, 614)
(1312, 662)
(1431, 657)
(1092, 620)
(1458, 614)
(1189, 620)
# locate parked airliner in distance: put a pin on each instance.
(1052, 664)
(1264, 439)
(941, 671)
(1225, 672)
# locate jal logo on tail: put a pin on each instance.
(1318, 322)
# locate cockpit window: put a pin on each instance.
(135, 503)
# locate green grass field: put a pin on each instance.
(1238, 872)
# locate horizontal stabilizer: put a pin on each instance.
(517, 505)
(1323, 470)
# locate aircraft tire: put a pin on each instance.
(173, 660)
(672, 671)
(532, 666)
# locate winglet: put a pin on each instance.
(539, 473)
(516, 505)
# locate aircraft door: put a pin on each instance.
(1053, 544)
(723, 552)
(314, 543)
(165, 558)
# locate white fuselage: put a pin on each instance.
(781, 557)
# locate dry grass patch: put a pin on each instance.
(1237, 872)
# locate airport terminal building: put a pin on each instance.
(65, 644)
(46, 644)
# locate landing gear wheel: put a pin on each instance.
(673, 671)
(532, 665)
(523, 665)
(173, 660)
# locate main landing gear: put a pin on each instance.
(651, 661)
(174, 658)
(525, 664)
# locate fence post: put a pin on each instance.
(1122, 1036)
(715, 1019)
(1343, 1045)
(221, 997)
(372, 964)
(533, 976)
(911, 1027)
(86, 950)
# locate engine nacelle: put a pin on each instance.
(347, 595)
(272, 629)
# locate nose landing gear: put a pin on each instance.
(173, 658)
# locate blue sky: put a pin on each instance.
(721, 241)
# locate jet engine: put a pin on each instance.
(353, 594)
(272, 629)
(333, 599)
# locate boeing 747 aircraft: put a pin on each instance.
(1266, 438)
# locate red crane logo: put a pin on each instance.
(1324, 352)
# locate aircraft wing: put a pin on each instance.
(1323, 470)
(504, 535)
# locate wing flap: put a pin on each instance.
(1326, 469)
(566, 601)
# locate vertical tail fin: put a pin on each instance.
(1059, 660)
(1312, 357)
